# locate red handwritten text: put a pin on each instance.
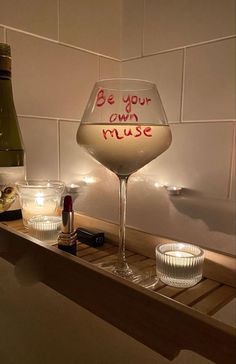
(101, 99)
(123, 117)
(133, 100)
(127, 132)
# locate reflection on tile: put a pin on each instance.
(198, 159)
(166, 71)
(55, 84)
(171, 24)
(109, 68)
(99, 194)
(210, 89)
(132, 28)
(204, 221)
(32, 16)
(41, 147)
(91, 25)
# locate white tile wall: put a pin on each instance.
(40, 140)
(198, 159)
(109, 68)
(171, 24)
(132, 28)
(37, 16)
(210, 87)
(50, 79)
(90, 24)
(166, 71)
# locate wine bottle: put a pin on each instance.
(11, 147)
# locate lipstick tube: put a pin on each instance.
(67, 237)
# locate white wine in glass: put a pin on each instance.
(124, 127)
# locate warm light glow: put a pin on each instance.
(89, 180)
(39, 198)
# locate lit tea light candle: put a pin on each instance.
(179, 264)
(39, 204)
(39, 198)
(174, 190)
(72, 188)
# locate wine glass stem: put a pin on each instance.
(122, 264)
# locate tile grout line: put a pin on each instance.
(143, 23)
(48, 118)
(7, 27)
(230, 183)
(99, 68)
(183, 86)
(58, 149)
(180, 47)
(58, 20)
(5, 35)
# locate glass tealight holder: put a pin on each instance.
(39, 198)
(179, 264)
(45, 228)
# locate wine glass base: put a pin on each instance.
(130, 273)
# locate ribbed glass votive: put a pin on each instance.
(45, 228)
(179, 264)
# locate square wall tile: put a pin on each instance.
(210, 88)
(40, 138)
(109, 68)
(37, 16)
(132, 28)
(92, 25)
(98, 194)
(1, 35)
(198, 159)
(166, 71)
(50, 79)
(169, 24)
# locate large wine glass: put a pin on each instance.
(124, 127)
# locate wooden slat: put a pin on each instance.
(113, 257)
(212, 302)
(84, 252)
(193, 294)
(169, 291)
(100, 254)
(146, 263)
(135, 258)
(82, 246)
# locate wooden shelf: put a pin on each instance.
(167, 320)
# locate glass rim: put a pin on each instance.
(39, 183)
(199, 255)
(137, 81)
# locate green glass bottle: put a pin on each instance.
(11, 147)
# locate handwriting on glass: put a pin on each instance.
(128, 101)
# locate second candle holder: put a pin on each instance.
(179, 264)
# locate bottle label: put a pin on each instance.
(8, 177)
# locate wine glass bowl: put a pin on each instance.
(124, 127)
